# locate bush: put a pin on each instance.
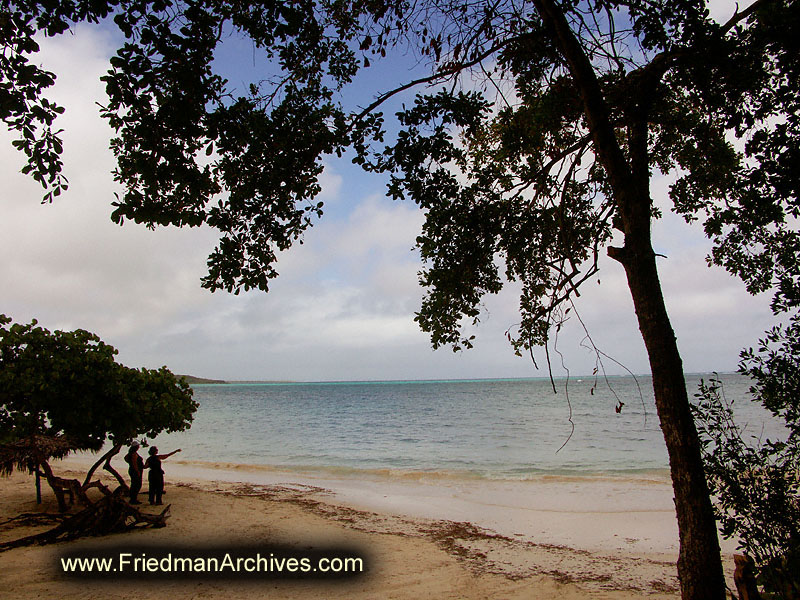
(756, 483)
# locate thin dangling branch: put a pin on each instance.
(566, 390)
(600, 353)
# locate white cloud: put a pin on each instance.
(343, 305)
(722, 10)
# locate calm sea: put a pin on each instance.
(496, 429)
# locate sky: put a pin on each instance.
(343, 305)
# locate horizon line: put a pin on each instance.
(441, 380)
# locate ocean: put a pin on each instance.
(502, 429)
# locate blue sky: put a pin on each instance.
(343, 306)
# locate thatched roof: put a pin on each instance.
(27, 452)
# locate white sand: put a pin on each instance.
(608, 537)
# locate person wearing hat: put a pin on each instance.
(135, 470)
(156, 475)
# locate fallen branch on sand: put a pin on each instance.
(111, 514)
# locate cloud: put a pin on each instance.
(722, 10)
(344, 303)
(67, 263)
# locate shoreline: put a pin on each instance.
(605, 533)
(630, 515)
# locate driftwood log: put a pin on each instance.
(110, 514)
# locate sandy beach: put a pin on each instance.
(418, 537)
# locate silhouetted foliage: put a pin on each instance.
(69, 383)
(530, 150)
(755, 481)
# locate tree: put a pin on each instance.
(541, 164)
(67, 385)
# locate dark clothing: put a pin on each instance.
(136, 487)
(134, 461)
(155, 478)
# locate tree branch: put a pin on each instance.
(652, 72)
(429, 79)
(595, 107)
(738, 17)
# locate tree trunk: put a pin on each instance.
(699, 565)
(106, 458)
(52, 481)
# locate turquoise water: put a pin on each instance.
(497, 429)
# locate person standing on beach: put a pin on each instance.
(135, 470)
(155, 477)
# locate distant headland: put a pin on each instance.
(190, 379)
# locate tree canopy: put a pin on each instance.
(68, 384)
(530, 148)
(678, 89)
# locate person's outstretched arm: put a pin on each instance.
(163, 456)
